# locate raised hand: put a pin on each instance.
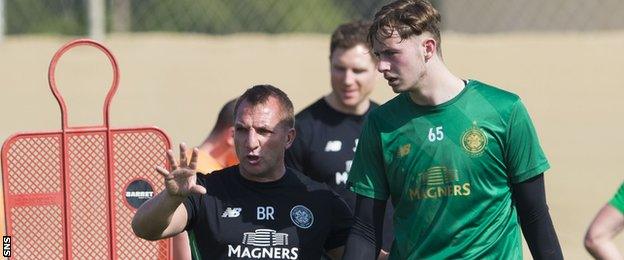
(182, 180)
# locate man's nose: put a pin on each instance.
(252, 140)
(349, 78)
(383, 66)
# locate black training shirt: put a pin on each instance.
(291, 218)
(325, 145)
(324, 148)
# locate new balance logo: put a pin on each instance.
(231, 212)
(333, 146)
(342, 177)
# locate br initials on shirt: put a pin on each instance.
(265, 213)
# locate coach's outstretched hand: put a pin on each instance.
(164, 215)
(182, 180)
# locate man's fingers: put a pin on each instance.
(183, 159)
(171, 159)
(193, 164)
(162, 171)
(187, 173)
(198, 189)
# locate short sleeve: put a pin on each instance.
(367, 175)
(618, 200)
(342, 220)
(524, 158)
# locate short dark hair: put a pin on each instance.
(225, 118)
(407, 17)
(349, 35)
(260, 94)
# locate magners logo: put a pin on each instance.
(263, 244)
(474, 140)
(437, 182)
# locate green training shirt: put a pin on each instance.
(448, 171)
(618, 200)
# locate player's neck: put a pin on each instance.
(334, 102)
(437, 86)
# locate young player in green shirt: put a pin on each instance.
(459, 159)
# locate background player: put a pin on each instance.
(459, 158)
(328, 130)
(605, 226)
(257, 209)
(215, 153)
(217, 150)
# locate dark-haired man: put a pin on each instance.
(328, 130)
(258, 209)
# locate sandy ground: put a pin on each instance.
(569, 83)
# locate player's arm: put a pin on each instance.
(388, 233)
(160, 217)
(364, 241)
(165, 215)
(367, 179)
(180, 246)
(599, 237)
(341, 222)
(537, 226)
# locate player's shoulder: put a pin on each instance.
(306, 182)
(218, 178)
(312, 111)
(389, 108)
(373, 105)
(492, 93)
(308, 119)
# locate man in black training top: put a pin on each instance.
(328, 130)
(258, 209)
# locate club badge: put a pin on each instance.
(301, 216)
(474, 140)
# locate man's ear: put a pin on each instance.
(290, 137)
(429, 48)
(229, 138)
